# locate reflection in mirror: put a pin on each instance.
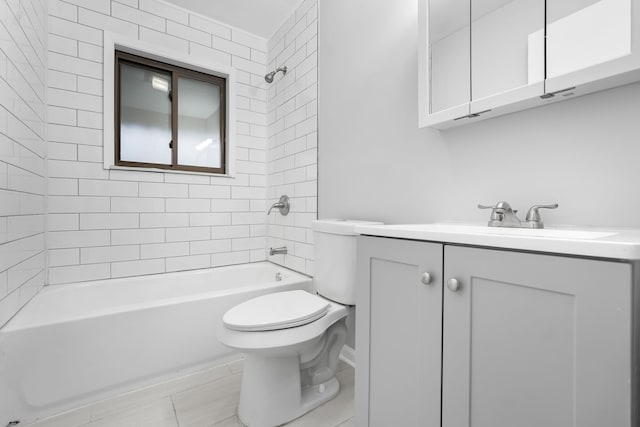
(583, 33)
(449, 51)
(503, 55)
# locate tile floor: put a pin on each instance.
(204, 399)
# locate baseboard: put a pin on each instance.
(348, 356)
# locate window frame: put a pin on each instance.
(176, 73)
(215, 64)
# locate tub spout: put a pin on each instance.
(276, 251)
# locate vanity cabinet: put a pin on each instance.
(398, 333)
(485, 58)
(494, 338)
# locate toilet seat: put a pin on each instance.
(276, 311)
(276, 340)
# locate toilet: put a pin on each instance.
(291, 340)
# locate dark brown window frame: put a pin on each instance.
(176, 72)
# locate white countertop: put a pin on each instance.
(593, 242)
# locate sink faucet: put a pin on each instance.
(503, 216)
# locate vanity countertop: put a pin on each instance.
(621, 243)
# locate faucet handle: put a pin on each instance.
(283, 205)
(534, 215)
(486, 207)
(533, 219)
(499, 207)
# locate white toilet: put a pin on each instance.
(292, 340)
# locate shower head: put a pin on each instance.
(269, 77)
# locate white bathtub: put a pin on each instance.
(74, 344)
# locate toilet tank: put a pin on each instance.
(335, 258)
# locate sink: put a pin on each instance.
(602, 243)
(552, 233)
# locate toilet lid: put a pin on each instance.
(276, 311)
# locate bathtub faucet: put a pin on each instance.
(282, 205)
(276, 251)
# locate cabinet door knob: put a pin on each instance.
(453, 285)
(425, 278)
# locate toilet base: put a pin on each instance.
(274, 396)
(312, 397)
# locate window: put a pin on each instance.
(168, 117)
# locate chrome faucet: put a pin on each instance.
(276, 251)
(503, 216)
(282, 205)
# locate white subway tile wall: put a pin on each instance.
(117, 223)
(292, 136)
(22, 152)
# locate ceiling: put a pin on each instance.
(260, 17)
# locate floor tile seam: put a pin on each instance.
(117, 414)
(342, 421)
(226, 419)
(175, 412)
(229, 373)
(212, 382)
(167, 394)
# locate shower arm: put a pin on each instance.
(269, 76)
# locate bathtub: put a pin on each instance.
(78, 343)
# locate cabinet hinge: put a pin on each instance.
(472, 115)
(552, 94)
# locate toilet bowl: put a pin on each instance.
(291, 340)
(290, 370)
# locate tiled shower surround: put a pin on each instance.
(293, 137)
(114, 223)
(22, 152)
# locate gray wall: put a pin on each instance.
(374, 162)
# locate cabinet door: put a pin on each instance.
(592, 43)
(535, 340)
(398, 333)
(507, 52)
(444, 60)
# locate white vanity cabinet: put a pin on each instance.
(525, 339)
(484, 58)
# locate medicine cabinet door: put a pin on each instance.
(507, 52)
(591, 43)
(445, 46)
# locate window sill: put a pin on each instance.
(170, 171)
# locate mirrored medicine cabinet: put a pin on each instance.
(485, 58)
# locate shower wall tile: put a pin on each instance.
(22, 152)
(292, 136)
(128, 223)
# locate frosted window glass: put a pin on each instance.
(145, 115)
(199, 132)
